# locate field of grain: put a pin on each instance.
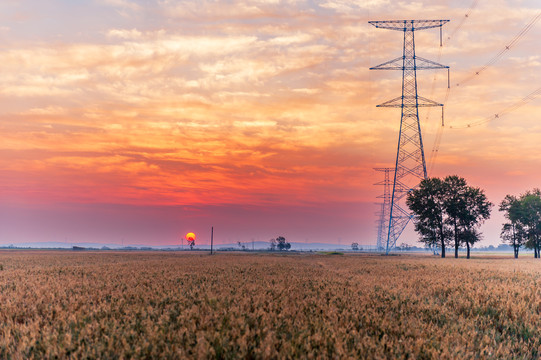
(172, 305)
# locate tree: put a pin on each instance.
(448, 209)
(512, 235)
(454, 206)
(427, 203)
(512, 231)
(272, 244)
(355, 246)
(474, 209)
(529, 220)
(404, 247)
(282, 244)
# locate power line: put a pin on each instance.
(531, 96)
(491, 62)
(508, 47)
(439, 132)
(451, 35)
(466, 17)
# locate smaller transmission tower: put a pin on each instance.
(383, 214)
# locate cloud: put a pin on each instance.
(49, 110)
(122, 4)
(132, 34)
(231, 9)
(348, 6)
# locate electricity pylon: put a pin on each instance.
(410, 166)
(383, 214)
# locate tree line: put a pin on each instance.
(449, 212)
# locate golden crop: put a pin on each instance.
(172, 305)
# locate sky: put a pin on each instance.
(137, 121)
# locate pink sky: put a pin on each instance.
(139, 121)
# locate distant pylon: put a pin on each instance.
(410, 165)
(383, 214)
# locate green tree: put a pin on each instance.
(454, 206)
(469, 237)
(512, 231)
(530, 219)
(512, 235)
(448, 209)
(475, 209)
(427, 203)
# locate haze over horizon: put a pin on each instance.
(139, 121)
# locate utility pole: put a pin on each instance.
(211, 239)
(410, 165)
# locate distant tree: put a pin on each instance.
(191, 243)
(427, 203)
(355, 246)
(272, 246)
(241, 245)
(513, 231)
(404, 247)
(282, 244)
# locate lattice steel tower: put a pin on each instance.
(383, 214)
(410, 166)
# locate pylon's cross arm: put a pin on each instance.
(408, 25)
(400, 64)
(384, 169)
(409, 101)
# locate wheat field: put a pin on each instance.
(170, 305)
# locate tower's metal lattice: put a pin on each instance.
(385, 208)
(410, 166)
